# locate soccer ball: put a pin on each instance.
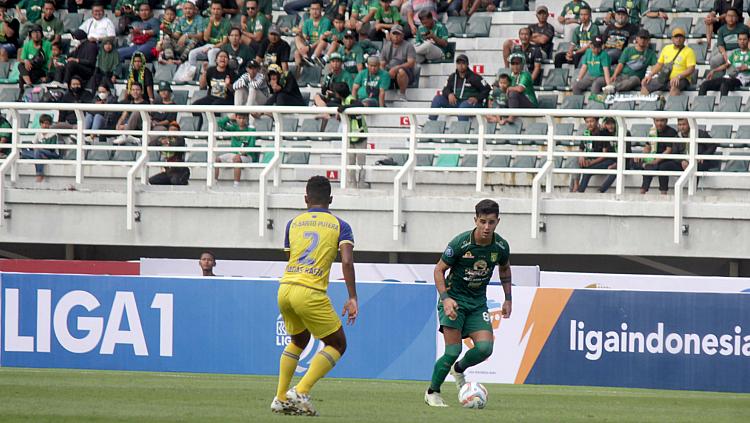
(473, 395)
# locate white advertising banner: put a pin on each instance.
(371, 272)
(644, 282)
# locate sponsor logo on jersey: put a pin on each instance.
(448, 252)
(493, 257)
(469, 255)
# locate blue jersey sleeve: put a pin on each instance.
(345, 233)
(286, 236)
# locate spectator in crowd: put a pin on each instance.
(230, 7)
(215, 35)
(131, 121)
(283, 88)
(218, 80)
(739, 65)
(75, 94)
(727, 38)
(294, 7)
(173, 175)
(27, 13)
(251, 89)
(570, 18)
(582, 36)
(594, 71)
(337, 74)
(386, 16)
(498, 99)
(98, 26)
(464, 89)
(662, 130)
(106, 62)
(161, 118)
(542, 34)
(139, 73)
(618, 35)
(239, 54)
(9, 31)
(362, 12)
(674, 69)
(49, 138)
(593, 130)
(717, 17)
(144, 33)
(370, 84)
(521, 93)
(52, 28)
(634, 8)
(352, 54)
(469, 7)
(82, 59)
(704, 149)
(431, 41)
(167, 27)
(125, 15)
(533, 55)
(357, 124)
(100, 119)
(335, 37)
(56, 69)
(399, 59)
(411, 11)
(187, 34)
(239, 124)
(310, 36)
(207, 262)
(274, 50)
(254, 26)
(610, 125)
(34, 58)
(635, 60)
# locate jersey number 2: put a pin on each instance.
(305, 258)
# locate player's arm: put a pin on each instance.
(449, 304)
(347, 267)
(505, 280)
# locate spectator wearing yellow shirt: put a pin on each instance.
(674, 69)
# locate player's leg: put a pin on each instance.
(452, 335)
(290, 356)
(478, 326)
(324, 361)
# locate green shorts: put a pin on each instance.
(467, 321)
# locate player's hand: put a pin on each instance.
(449, 307)
(507, 308)
(351, 310)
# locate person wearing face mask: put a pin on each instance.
(102, 120)
(82, 61)
(9, 28)
(75, 94)
(618, 35)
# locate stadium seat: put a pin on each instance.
(264, 125)
(649, 105)
(267, 157)
(722, 132)
(507, 129)
(655, 26)
(556, 79)
(417, 73)
(187, 123)
(289, 124)
(399, 159)
(737, 165)
(197, 95)
(536, 128)
(450, 53)
(197, 156)
(71, 22)
(605, 6)
(99, 155)
(310, 76)
(332, 128)
(4, 69)
(676, 103)
(684, 23)
(699, 29)
(729, 104)
(456, 25)
(564, 129)
(425, 159)
(164, 72)
(524, 162)
(469, 160)
(9, 94)
(297, 157)
(703, 103)
(447, 160)
(743, 135)
(180, 97)
(286, 23)
(515, 5)
(705, 5)
(640, 130)
(685, 6)
(660, 6)
(479, 26)
(622, 105)
(459, 128)
(547, 101)
(498, 161)
(125, 156)
(574, 102)
(433, 127)
(308, 125)
(595, 105)
(700, 53)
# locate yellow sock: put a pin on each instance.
(287, 366)
(321, 364)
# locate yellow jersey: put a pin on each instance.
(312, 240)
(681, 63)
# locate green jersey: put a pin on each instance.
(329, 79)
(582, 36)
(29, 51)
(370, 85)
(336, 35)
(257, 24)
(33, 9)
(220, 31)
(573, 9)
(352, 58)
(499, 98)
(50, 28)
(312, 31)
(595, 63)
(438, 30)
(636, 62)
(390, 16)
(636, 9)
(727, 38)
(524, 78)
(238, 141)
(362, 7)
(472, 266)
(738, 58)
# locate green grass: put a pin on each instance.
(47, 395)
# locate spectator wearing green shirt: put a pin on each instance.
(594, 71)
(187, 34)
(309, 37)
(254, 25)
(582, 36)
(239, 53)
(362, 12)
(239, 124)
(352, 54)
(739, 61)
(333, 39)
(570, 18)
(28, 12)
(498, 99)
(327, 98)
(727, 38)
(386, 16)
(635, 9)
(432, 38)
(370, 84)
(633, 63)
(34, 58)
(52, 28)
(521, 93)
(214, 35)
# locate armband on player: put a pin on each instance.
(505, 279)
(444, 296)
(508, 297)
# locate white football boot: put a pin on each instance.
(301, 402)
(283, 407)
(434, 399)
(459, 377)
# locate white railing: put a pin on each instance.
(478, 146)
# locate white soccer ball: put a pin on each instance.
(473, 395)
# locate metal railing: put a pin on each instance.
(472, 144)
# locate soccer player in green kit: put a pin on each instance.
(462, 309)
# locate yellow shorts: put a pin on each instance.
(306, 308)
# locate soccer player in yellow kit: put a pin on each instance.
(312, 241)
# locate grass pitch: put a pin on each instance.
(49, 395)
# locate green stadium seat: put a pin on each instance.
(267, 156)
(125, 156)
(297, 157)
(436, 127)
(649, 105)
(699, 29)
(722, 132)
(459, 128)
(479, 26)
(332, 128)
(447, 160)
(705, 5)
(4, 69)
(264, 124)
(180, 97)
(72, 21)
(514, 128)
(622, 105)
(187, 123)
(310, 76)
(536, 128)
(703, 103)
(99, 155)
(456, 25)
(729, 104)
(286, 23)
(640, 130)
(289, 124)
(164, 72)
(574, 101)
(9, 94)
(595, 105)
(684, 23)
(678, 103)
(524, 162)
(425, 159)
(700, 52)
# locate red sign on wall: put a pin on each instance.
(478, 69)
(332, 175)
(404, 121)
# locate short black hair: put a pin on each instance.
(584, 7)
(341, 88)
(339, 17)
(210, 253)
(172, 8)
(45, 119)
(487, 206)
(318, 190)
(318, 2)
(504, 77)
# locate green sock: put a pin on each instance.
(443, 365)
(476, 355)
